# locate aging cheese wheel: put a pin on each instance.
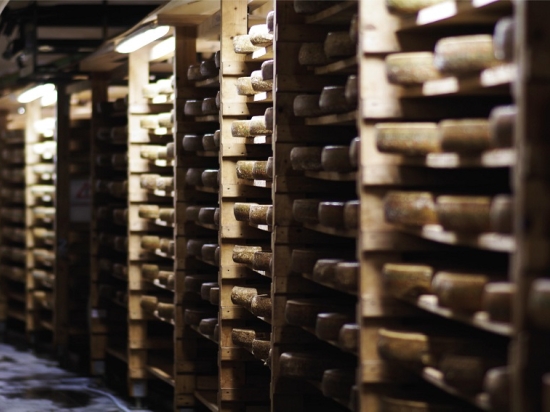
(538, 304)
(194, 72)
(337, 383)
(245, 254)
(209, 106)
(501, 214)
(120, 216)
(165, 310)
(150, 242)
(324, 270)
(208, 69)
(351, 91)
(218, 99)
(260, 35)
(258, 127)
(270, 21)
(464, 213)
(328, 325)
(408, 138)
(163, 277)
(243, 337)
(410, 208)
(192, 142)
(313, 54)
(466, 373)
(119, 135)
(269, 169)
(497, 385)
(243, 296)
(207, 326)
(261, 305)
(306, 158)
(333, 100)
(149, 122)
(244, 87)
(261, 348)
(206, 215)
(149, 91)
(166, 120)
(148, 303)
(409, 69)
(347, 276)
(208, 142)
(148, 181)
(193, 108)
(464, 135)
(259, 84)
(459, 291)
(355, 152)
(101, 160)
(339, 44)
(214, 297)
(503, 39)
(403, 280)
(194, 246)
(193, 283)
(192, 213)
(240, 128)
(268, 115)
(205, 289)
(217, 217)
(243, 45)
(336, 159)
(303, 260)
(354, 28)
(242, 211)
(258, 214)
(244, 169)
(165, 183)
(149, 152)
(310, 365)
(409, 6)
(217, 59)
(165, 245)
(262, 261)
(194, 316)
(303, 312)
(464, 54)
(331, 214)
(351, 214)
(165, 86)
(261, 170)
(267, 70)
(208, 252)
(348, 338)
(502, 123)
(167, 215)
(307, 105)
(497, 300)
(210, 178)
(306, 210)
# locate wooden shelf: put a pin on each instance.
(328, 285)
(164, 163)
(340, 13)
(263, 54)
(163, 193)
(158, 252)
(207, 153)
(256, 183)
(261, 97)
(162, 223)
(207, 189)
(209, 399)
(342, 119)
(210, 338)
(213, 82)
(259, 140)
(211, 118)
(117, 353)
(346, 66)
(164, 372)
(349, 233)
(332, 176)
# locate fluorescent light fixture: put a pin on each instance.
(163, 49)
(35, 93)
(142, 37)
(49, 98)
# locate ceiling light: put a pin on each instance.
(49, 98)
(35, 93)
(163, 49)
(142, 37)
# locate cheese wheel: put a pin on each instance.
(217, 256)
(333, 100)
(119, 135)
(261, 306)
(306, 210)
(244, 87)
(307, 105)
(244, 169)
(337, 383)
(261, 348)
(194, 316)
(409, 6)
(193, 176)
(502, 121)
(259, 84)
(464, 54)
(149, 152)
(351, 214)
(149, 122)
(193, 283)
(306, 158)
(538, 304)
(243, 337)
(324, 270)
(168, 153)
(260, 35)
(258, 214)
(262, 261)
(165, 245)
(193, 108)
(270, 21)
(501, 214)
(165, 310)
(148, 303)
(497, 385)
(167, 215)
(328, 325)
(218, 99)
(260, 170)
(339, 44)
(243, 45)
(208, 252)
(313, 54)
(409, 69)
(166, 120)
(503, 39)
(406, 281)
(165, 183)
(208, 69)
(268, 118)
(208, 142)
(303, 312)
(209, 106)
(410, 208)
(267, 70)
(354, 28)
(347, 276)
(148, 181)
(192, 142)
(214, 297)
(355, 152)
(269, 169)
(240, 128)
(120, 216)
(210, 178)
(336, 159)
(165, 86)
(217, 138)
(243, 296)
(207, 326)
(242, 211)
(194, 246)
(101, 160)
(348, 337)
(464, 135)
(351, 91)
(150, 242)
(192, 213)
(466, 373)
(331, 214)
(311, 365)
(464, 213)
(217, 59)
(459, 291)
(497, 300)
(194, 72)
(206, 215)
(258, 126)
(303, 261)
(217, 217)
(245, 254)
(205, 289)
(163, 277)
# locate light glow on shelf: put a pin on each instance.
(141, 38)
(49, 99)
(35, 93)
(163, 49)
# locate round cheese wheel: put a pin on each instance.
(311, 364)
(347, 276)
(331, 214)
(270, 21)
(206, 215)
(336, 159)
(258, 126)
(207, 326)
(194, 72)
(268, 118)
(193, 316)
(192, 142)
(269, 169)
(306, 158)
(217, 138)
(245, 254)
(208, 142)
(258, 214)
(262, 261)
(165, 86)
(192, 213)
(464, 135)
(150, 242)
(313, 54)
(244, 87)
(170, 151)
(193, 108)
(148, 303)
(260, 170)
(208, 252)
(243, 45)
(497, 385)
(209, 106)
(218, 99)
(267, 70)
(328, 325)
(351, 214)
(260, 35)
(194, 246)
(459, 291)
(119, 135)
(166, 120)
(214, 297)
(149, 152)
(165, 245)
(148, 211)
(352, 90)
(339, 44)
(243, 337)
(410, 208)
(210, 178)
(403, 346)
(409, 69)
(403, 280)
(497, 300)
(503, 39)
(464, 213)
(324, 270)
(149, 122)
(501, 214)
(167, 215)
(165, 310)
(261, 306)
(348, 337)
(261, 348)
(149, 271)
(259, 84)
(240, 128)
(502, 122)
(205, 289)
(164, 276)
(333, 100)
(354, 28)
(306, 210)
(102, 160)
(193, 283)
(217, 217)
(208, 69)
(464, 54)
(120, 216)
(466, 373)
(538, 303)
(307, 105)
(409, 6)
(242, 211)
(355, 152)
(303, 312)
(217, 256)
(148, 181)
(337, 383)
(243, 296)
(217, 59)
(165, 183)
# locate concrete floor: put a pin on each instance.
(32, 384)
